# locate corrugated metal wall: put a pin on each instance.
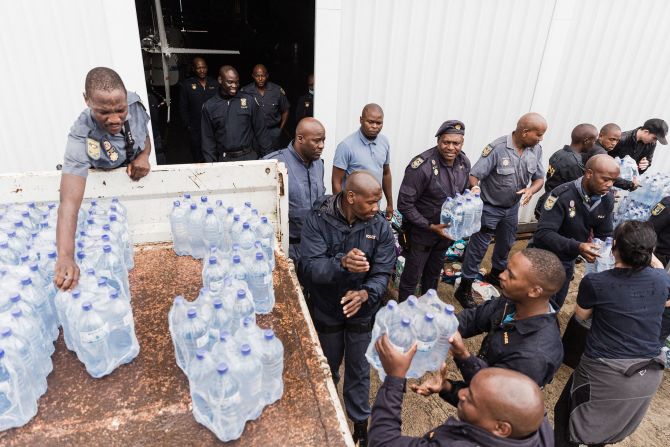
(47, 47)
(486, 62)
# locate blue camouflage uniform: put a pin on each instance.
(273, 103)
(501, 172)
(569, 217)
(90, 146)
(305, 185)
(326, 237)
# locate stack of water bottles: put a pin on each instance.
(426, 320)
(639, 204)
(97, 316)
(605, 259)
(234, 368)
(462, 214)
(235, 243)
(627, 168)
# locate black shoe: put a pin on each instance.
(360, 434)
(493, 277)
(464, 294)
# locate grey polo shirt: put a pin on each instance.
(90, 146)
(305, 185)
(502, 171)
(358, 153)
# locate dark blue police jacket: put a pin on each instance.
(325, 238)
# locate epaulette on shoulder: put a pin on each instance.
(417, 161)
(561, 189)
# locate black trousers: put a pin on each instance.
(423, 264)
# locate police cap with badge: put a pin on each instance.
(448, 127)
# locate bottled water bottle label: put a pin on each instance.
(424, 346)
(95, 335)
(201, 342)
(214, 333)
(128, 319)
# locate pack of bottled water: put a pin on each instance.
(237, 246)
(426, 320)
(638, 204)
(462, 214)
(605, 259)
(627, 168)
(234, 368)
(97, 316)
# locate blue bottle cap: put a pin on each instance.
(179, 300)
(87, 306)
(2, 353)
(107, 248)
(247, 204)
(405, 322)
(236, 259)
(5, 332)
(448, 308)
(52, 255)
(224, 336)
(194, 206)
(269, 334)
(222, 368)
(102, 281)
(218, 304)
(203, 199)
(15, 298)
(76, 293)
(245, 225)
(191, 313)
(200, 354)
(176, 203)
(392, 305)
(212, 260)
(26, 281)
(245, 349)
(210, 210)
(16, 313)
(259, 256)
(230, 210)
(114, 294)
(428, 317)
(241, 294)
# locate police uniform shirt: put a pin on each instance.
(192, 96)
(428, 181)
(305, 185)
(565, 166)
(304, 106)
(230, 124)
(569, 215)
(502, 171)
(90, 146)
(273, 103)
(660, 219)
(628, 145)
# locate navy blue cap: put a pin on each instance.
(451, 126)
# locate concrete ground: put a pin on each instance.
(420, 414)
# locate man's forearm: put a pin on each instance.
(474, 181)
(388, 188)
(284, 118)
(536, 185)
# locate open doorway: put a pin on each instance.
(278, 34)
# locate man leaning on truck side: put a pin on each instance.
(112, 132)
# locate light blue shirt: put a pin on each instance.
(358, 153)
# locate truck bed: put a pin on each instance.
(147, 402)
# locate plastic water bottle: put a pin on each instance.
(222, 321)
(193, 335)
(426, 336)
(226, 348)
(591, 266)
(198, 370)
(7, 255)
(176, 318)
(92, 341)
(19, 349)
(238, 270)
(17, 402)
(126, 243)
(259, 278)
(606, 259)
(195, 224)
(244, 307)
(479, 208)
(272, 358)
(40, 302)
(266, 234)
(447, 324)
(250, 371)
(180, 231)
(112, 267)
(213, 274)
(211, 229)
(246, 241)
(118, 314)
(432, 301)
(223, 395)
(401, 336)
(26, 327)
(468, 217)
(386, 316)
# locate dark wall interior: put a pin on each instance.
(278, 34)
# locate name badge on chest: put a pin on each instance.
(572, 212)
(93, 148)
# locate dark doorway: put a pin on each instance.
(278, 34)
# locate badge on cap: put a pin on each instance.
(416, 162)
(307, 103)
(550, 202)
(93, 148)
(193, 86)
(457, 127)
(658, 209)
(487, 150)
(243, 103)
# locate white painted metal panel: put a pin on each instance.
(47, 47)
(486, 62)
(149, 201)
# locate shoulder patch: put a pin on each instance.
(417, 162)
(487, 150)
(551, 171)
(550, 202)
(93, 148)
(658, 209)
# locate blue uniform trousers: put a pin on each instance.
(495, 220)
(349, 343)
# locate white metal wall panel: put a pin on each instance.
(486, 62)
(48, 47)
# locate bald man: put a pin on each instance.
(501, 408)
(609, 136)
(566, 165)
(575, 210)
(195, 91)
(366, 150)
(233, 127)
(303, 160)
(503, 172)
(273, 102)
(347, 253)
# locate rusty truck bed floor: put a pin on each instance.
(147, 402)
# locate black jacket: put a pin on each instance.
(386, 422)
(598, 150)
(628, 145)
(660, 219)
(565, 165)
(325, 238)
(566, 222)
